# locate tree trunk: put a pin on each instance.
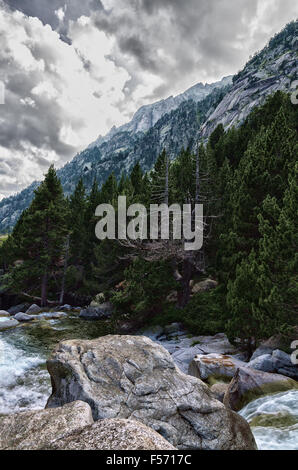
(184, 293)
(64, 271)
(44, 288)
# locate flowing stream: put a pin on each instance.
(25, 382)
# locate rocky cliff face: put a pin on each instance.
(175, 122)
(274, 68)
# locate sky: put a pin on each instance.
(72, 69)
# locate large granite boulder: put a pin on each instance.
(251, 383)
(132, 377)
(100, 312)
(34, 430)
(113, 434)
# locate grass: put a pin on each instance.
(3, 238)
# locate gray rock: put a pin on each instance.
(252, 383)
(173, 329)
(113, 434)
(132, 377)
(33, 309)
(97, 313)
(283, 365)
(34, 430)
(204, 286)
(66, 307)
(263, 363)
(5, 325)
(4, 313)
(261, 351)
(24, 317)
(18, 308)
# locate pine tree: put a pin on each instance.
(77, 220)
(41, 238)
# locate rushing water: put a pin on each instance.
(274, 420)
(25, 383)
(24, 380)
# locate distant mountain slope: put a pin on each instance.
(175, 122)
(148, 115)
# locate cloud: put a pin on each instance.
(72, 69)
(51, 111)
(57, 13)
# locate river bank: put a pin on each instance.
(25, 382)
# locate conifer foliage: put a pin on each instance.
(246, 178)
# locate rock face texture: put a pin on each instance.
(113, 434)
(134, 378)
(250, 384)
(274, 68)
(36, 429)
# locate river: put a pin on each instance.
(25, 383)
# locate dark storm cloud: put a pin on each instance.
(141, 52)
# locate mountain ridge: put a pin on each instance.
(175, 125)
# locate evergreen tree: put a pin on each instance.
(77, 220)
(41, 239)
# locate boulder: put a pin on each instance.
(264, 363)
(4, 313)
(33, 309)
(24, 317)
(5, 325)
(18, 308)
(101, 312)
(283, 364)
(34, 430)
(204, 286)
(280, 342)
(132, 377)
(184, 352)
(113, 434)
(252, 383)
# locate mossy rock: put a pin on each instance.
(278, 420)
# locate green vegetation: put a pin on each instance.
(3, 238)
(247, 180)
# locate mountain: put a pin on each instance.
(147, 116)
(175, 122)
